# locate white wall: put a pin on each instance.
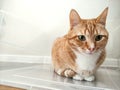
(30, 26)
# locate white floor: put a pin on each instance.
(42, 77)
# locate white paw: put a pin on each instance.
(90, 78)
(59, 71)
(66, 73)
(77, 77)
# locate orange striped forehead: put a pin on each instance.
(89, 28)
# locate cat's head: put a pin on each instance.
(88, 35)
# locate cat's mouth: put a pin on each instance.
(87, 51)
(90, 52)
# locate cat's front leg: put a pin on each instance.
(78, 77)
(66, 72)
(86, 73)
(90, 78)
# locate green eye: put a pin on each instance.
(98, 37)
(81, 37)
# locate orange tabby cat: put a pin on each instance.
(81, 51)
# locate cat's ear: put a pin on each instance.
(74, 18)
(102, 17)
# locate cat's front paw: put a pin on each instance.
(78, 77)
(69, 73)
(86, 73)
(90, 78)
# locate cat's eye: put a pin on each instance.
(81, 37)
(98, 37)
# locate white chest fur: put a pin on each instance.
(86, 61)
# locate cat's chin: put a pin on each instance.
(89, 53)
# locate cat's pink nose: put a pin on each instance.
(91, 49)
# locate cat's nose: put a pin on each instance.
(91, 49)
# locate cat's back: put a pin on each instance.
(59, 43)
